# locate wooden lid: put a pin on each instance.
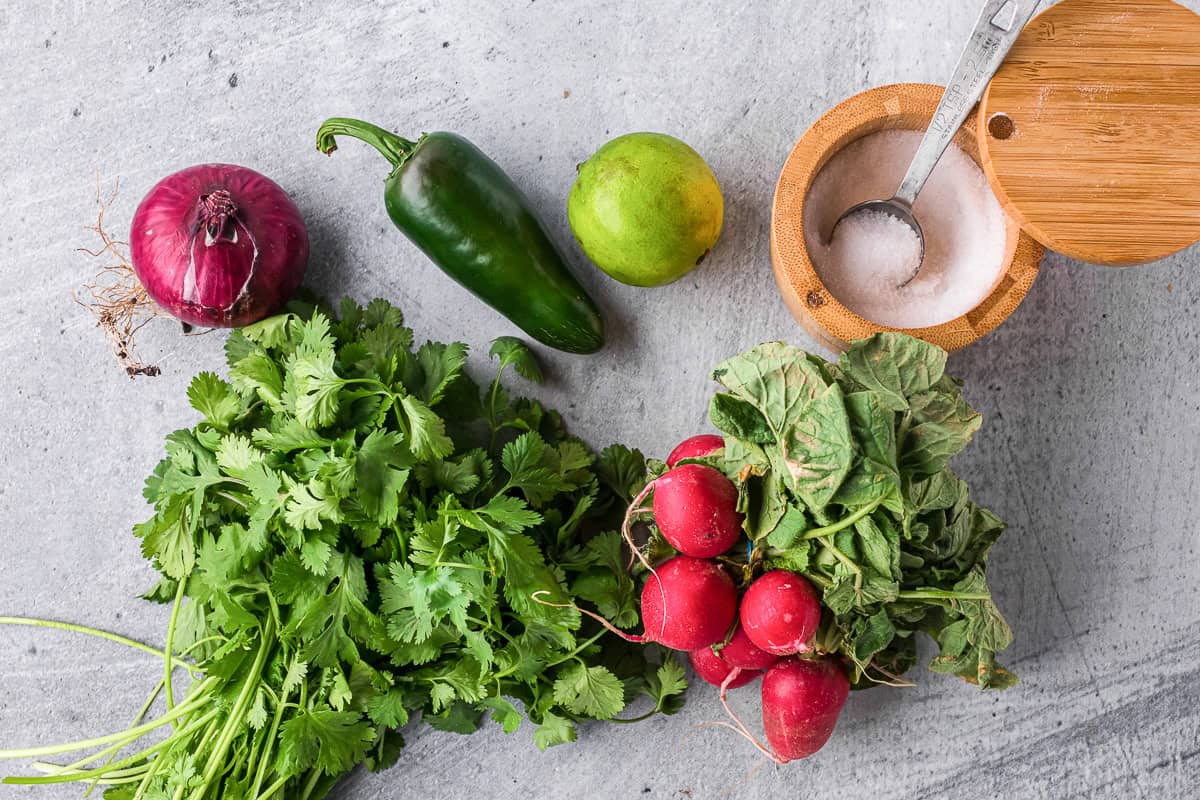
(1090, 131)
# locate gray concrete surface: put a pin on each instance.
(1090, 391)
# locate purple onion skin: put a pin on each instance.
(218, 245)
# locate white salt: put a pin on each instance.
(874, 253)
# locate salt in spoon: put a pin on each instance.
(996, 30)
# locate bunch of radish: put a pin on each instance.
(691, 603)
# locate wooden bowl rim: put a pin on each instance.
(803, 291)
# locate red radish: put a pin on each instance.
(688, 603)
(696, 447)
(780, 612)
(801, 701)
(745, 654)
(218, 245)
(695, 507)
(716, 670)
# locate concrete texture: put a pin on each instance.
(1090, 393)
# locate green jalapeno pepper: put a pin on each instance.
(466, 214)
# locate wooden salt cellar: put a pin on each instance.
(904, 106)
(1089, 136)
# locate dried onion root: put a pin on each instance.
(115, 297)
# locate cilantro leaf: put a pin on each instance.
(525, 460)
(441, 364)
(666, 685)
(591, 691)
(339, 559)
(169, 542)
(289, 435)
(317, 387)
(388, 709)
(427, 431)
(417, 602)
(554, 730)
(256, 373)
(236, 455)
(512, 351)
(623, 470)
(504, 712)
(215, 399)
(270, 332)
(379, 313)
(332, 741)
(309, 504)
(381, 470)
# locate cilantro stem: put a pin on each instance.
(261, 773)
(234, 721)
(400, 539)
(133, 776)
(130, 775)
(493, 396)
(112, 750)
(485, 624)
(310, 784)
(248, 762)
(112, 637)
(145, 709)
(58, 769)
(460, 565)
(273, 788)
(74, 775)
(577, 650)
(136, 731)
(842, 524)
(232, 499)
(168, 666)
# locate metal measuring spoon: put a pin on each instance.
(997, 28)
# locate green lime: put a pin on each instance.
(646, 208)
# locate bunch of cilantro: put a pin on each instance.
(843, 476)
(353, 534)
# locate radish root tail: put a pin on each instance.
(737, 724)
(613, 629)
(894, 680)
(634, 509)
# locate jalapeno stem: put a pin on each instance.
(395, 149)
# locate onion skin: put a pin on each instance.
(218, 245)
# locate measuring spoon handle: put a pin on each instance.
(999, 25)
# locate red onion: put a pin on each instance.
(218, 245)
